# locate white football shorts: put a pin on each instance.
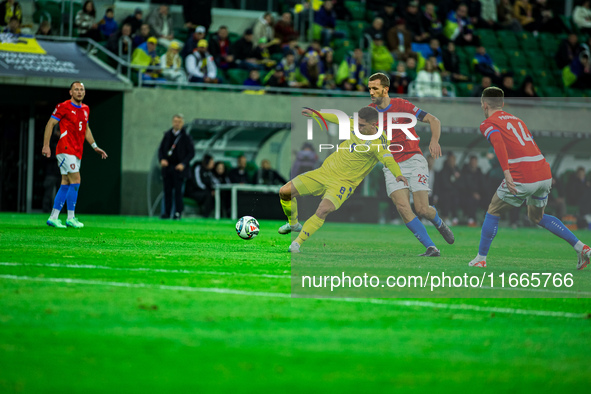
(415, 170)
(535, 194)
(68, 163)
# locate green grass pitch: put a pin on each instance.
(139, 305)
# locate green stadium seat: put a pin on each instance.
(356, 29)
(551, 91)
(568, 23)
(528, 41)
(542, 77)
(343, 26)
(370, 16)
(237, 76)
(356, 8)
(548, 43)
(233, 37)
(487, 38)
(499, 58)
(570, 92)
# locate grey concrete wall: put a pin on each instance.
(148, 113)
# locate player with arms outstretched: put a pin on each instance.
(414, 166)
(527, 177)
(72, 115)
(337, 178)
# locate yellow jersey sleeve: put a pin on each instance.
(387, 159)
(332, 118)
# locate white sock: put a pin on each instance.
(70, 215)
(481, 258)
(579, 246)
(55, 213)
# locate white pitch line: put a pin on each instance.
(421, 304)
(104, 267)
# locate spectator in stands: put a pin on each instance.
(447, 187)
(458, 27)
(141, 36)
(239, 174)
(506, 17)
(484, 65)
(330, 68)
(381, 58)
(107, 25)
(244, 52)
(13, 27)
(399, 41)
(376, 27)
(431, 21)
(582, 17)
(254, 78)
(488, 14)
(444, 7)
(414, 23)
(161, 25)
(289, 69)
(411, 66)
(486, 82)
(399, 80)
(284, 29)
(578, 74)
(545, 18)
(451, 63)
(44, 29)
(428, 82)
(311, 73)
(9, 9)
(276, 78)
(268, 176)
(191, 43)
(472, 189)
(568, 50)
(527, 88)
(305, 160)
(524, 12)
(263, 54)
(201, 66)
(353, 73)
(578, 192)
(197, 13)
(202, 185)
(135, 20)
(175, 154)
(220, 177)
(325, 19)
(388, 15)
(220, 48)
(263, 28)
(508, 86)
(113, 42)
(145, 55)
(85, 22)
(172, 64)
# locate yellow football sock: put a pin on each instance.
(290, 208)
(310, 227)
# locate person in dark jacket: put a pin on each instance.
(239, 174)
(472, 189)
(202, 185)
(221, 177)
(175, 154)
(220, 48)
(268, 176)
(447, 184)
(135, 20)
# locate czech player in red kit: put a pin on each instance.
(72, 117)
(413, 165)
(527, 178)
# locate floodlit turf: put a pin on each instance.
(139, 305)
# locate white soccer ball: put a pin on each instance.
(247, 227)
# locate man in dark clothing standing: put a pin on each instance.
(472, 189)
(239, 174)
(175, 154)
(202, 187)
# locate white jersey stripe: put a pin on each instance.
(526, 159)
(64, 134)
(488, 131)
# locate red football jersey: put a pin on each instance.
(409, 147)
(73, 120)
(526, 162)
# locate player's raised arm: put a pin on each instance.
(435, 125)
(46, 151)
(92, 143)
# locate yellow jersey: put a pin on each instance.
(355, 158)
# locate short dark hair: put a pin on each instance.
(369, 114)
(109, 10)
(383, 78)
(75, 82)
(206, 159)
(493, 96)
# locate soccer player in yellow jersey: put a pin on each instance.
(338, 177)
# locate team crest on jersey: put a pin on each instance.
(73, 166)
(86, 114)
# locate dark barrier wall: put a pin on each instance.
(100, 191)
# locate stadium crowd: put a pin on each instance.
(426, 47)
